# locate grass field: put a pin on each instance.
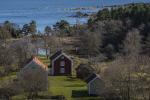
(71, 87)
(68, 86)
(62, 85)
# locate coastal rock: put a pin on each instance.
(80, 15)
(82, 8)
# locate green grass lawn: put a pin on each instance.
(71, 87)
(9, 76)
(62, 85)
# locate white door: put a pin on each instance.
(62, 70)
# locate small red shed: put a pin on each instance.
(61, 64)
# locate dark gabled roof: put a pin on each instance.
(91, 77)
(28, 61)
(56, 54)
(37, 61)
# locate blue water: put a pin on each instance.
(48, 12)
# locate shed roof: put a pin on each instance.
(91, 77)
(37, 61)
(56, 54)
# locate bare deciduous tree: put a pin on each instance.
(132, 43)
(7, 58)
(23, 49)
(90, 43)
(33, 80)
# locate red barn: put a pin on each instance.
(61, 64)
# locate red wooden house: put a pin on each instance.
(61, 64)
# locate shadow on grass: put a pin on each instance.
(75, 85)
(70, 78)
(79, 93)
(57, 97)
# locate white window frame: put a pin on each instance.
(62, 57)
(62, 70)
(62, 63)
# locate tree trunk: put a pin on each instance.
(149, 94)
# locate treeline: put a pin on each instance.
(110, 27)
(138, 13)
(11, 30)
(8, 30)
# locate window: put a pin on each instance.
(62, 57)
(62, 63)
(62, 70)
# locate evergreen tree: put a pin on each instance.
(32, 27)
(25, 29)
(48, 30)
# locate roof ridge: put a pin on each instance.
(91, 77)
(36, 60)
(56, 54)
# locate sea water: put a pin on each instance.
(48, 12)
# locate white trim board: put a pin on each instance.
(90, 84)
